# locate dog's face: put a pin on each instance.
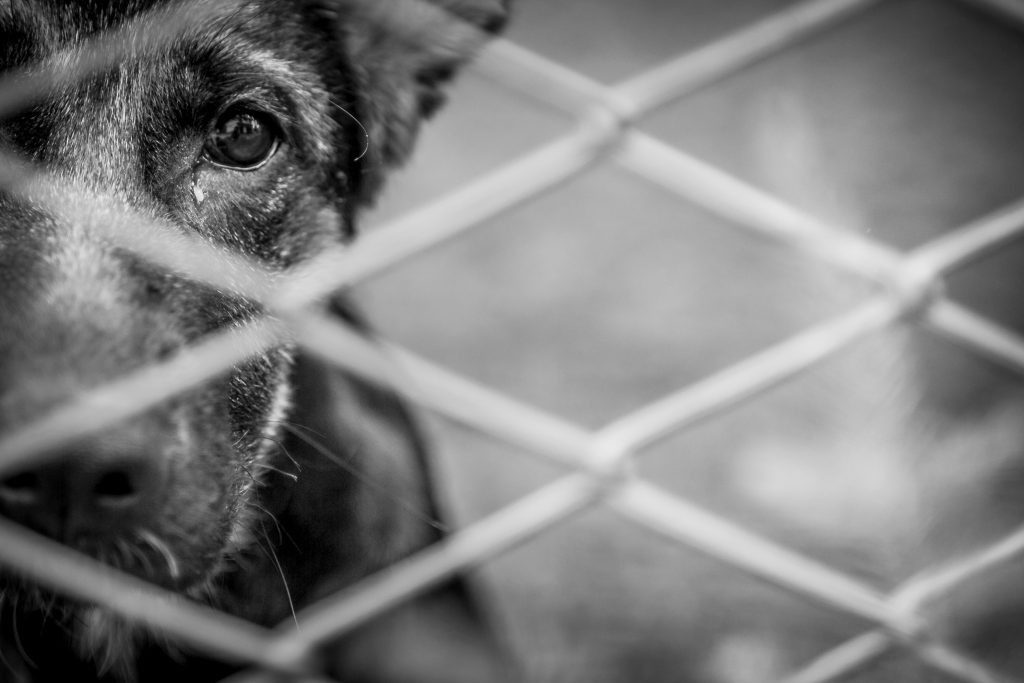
(258, 128)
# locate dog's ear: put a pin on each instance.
(401, 55)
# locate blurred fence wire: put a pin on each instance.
(909, 291)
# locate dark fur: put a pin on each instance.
(285, 472)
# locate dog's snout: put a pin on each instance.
(91, 491)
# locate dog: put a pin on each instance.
(284, 480)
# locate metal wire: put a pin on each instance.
(907, 287)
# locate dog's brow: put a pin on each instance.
(267, 61)
(281, 71)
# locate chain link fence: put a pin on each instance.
(908, 291)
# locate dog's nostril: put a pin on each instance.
(22, 482)
(115, 488)
(25, 487)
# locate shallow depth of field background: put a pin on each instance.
(607, 293)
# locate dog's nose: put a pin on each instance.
(93, 490)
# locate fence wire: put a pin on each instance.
(597, 462)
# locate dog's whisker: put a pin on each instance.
(366, 133)
(289, 425)
(6, 605)
(5, 663)
(111, 555)
(271, 468)
(323, 450)
(282, 448)
(240, 439)
(48, 607)
(268, 548)
(255, 481)
(125, 555)
(144, 561)
(154, 542)
(16, 631)
(52, 609)
(265, 513)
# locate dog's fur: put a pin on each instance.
(285, 480)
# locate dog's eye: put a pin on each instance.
(243, 139)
